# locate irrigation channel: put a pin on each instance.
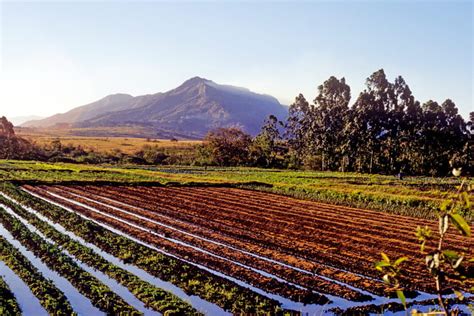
(225, 235)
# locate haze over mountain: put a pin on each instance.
(192, 109)
(18, 120)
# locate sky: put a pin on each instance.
(57, 55)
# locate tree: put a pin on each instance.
(370, 120)
(152, 154)
(228, 146)
(298, 128)
(330, 114)
(265, 147)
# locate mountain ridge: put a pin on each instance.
(195, 107)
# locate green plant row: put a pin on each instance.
(100, 295)
(8, 303)
(50, 297)
(398, 206)
(193, 280)
(154, 297)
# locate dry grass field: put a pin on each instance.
(128, 145)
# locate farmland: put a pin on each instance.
(188, 241)
(126, 145)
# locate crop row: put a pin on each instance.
(8, 303)
(50, 297)
(191, 279)
(305, 211)
(304, 278)
(135, 228)
(152, 296)
(329, 248)
(227, 235)
(100, 295)
(358, 242)
(228, 221)
(320, 220)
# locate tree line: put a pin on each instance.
(386, 130)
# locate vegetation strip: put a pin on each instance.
(304, 278)
(8, 303)
(321, 228)
(152, 296)
(50, 297)
(153, 201)
(192, 280)
(256, 278)
(199, 228)
(195, 301)
(100, 295)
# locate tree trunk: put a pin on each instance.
(371, 161)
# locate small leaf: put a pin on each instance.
(460, 224)
(458, 262)
(445, 205)
(422, 246)
(400, 260)
(459, 295)
(386, 279)
(385, 257)
(402, 298)
(379, 265)
(451, 254)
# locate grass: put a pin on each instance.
(414, 196)
(127, 145)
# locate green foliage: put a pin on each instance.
(100, 295)
(414, 196)
(442, 263)
(267, 149)
(228, 146)
(391, 275)
(191, 279)
(385, 131)
(152, 296)
(50, 297)
(8, 304)
(423, 234)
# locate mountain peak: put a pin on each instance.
(117, 97)
(195, 81)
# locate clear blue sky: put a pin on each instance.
(58, 55)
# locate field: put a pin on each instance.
(184, 241)
(127, 145)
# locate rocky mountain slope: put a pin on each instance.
(193, 108)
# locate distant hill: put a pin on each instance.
(114, 102)
(18, 120)
(191, 109)
(11, 146)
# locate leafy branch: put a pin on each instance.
(442, 262)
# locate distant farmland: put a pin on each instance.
(128, 145)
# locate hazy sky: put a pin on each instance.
(61, 54)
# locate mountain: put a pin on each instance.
(191, 109)
(18, 120)
(114, 102)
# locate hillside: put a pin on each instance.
(12, 146)
(191, 109)
(18, 120)
(114, 102)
